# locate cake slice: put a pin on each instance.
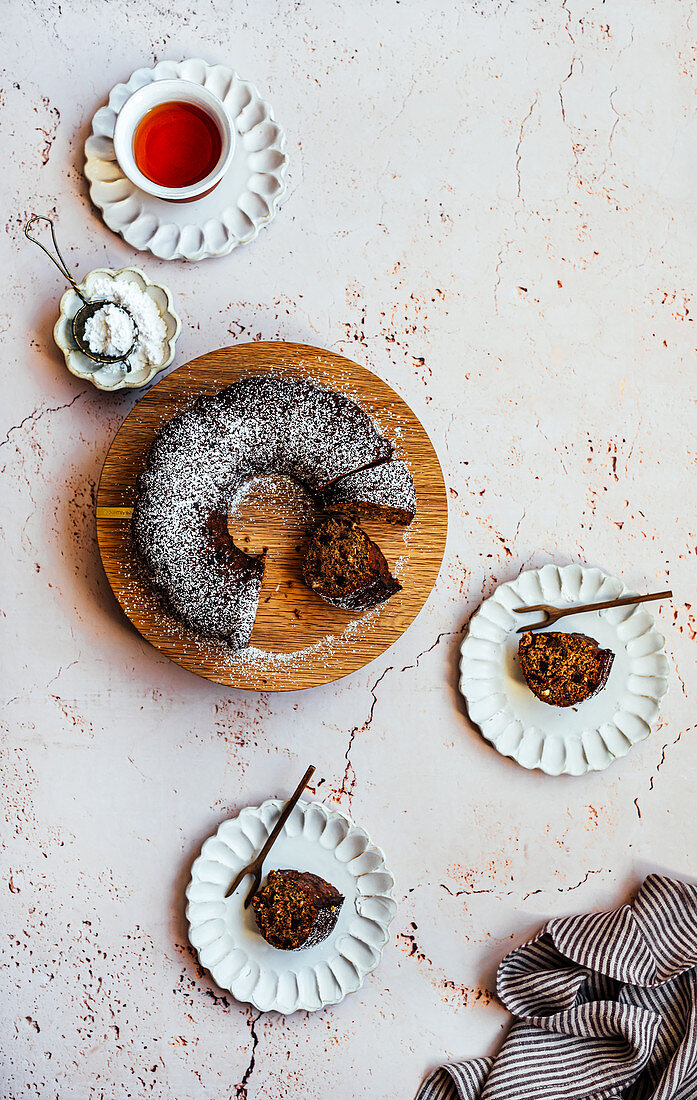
(296, 909)
(381, 492)
(563, 669)
(346, 568)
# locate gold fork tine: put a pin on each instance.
(256, 883)
(236, 881)
(547, 611)
(533, 626)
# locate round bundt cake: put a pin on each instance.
(199, 461)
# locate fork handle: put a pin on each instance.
(622, 602)
(273, 835)
(285, 814)
(255, 865)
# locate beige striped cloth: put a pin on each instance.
(605, 1008)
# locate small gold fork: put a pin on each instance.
(553, 613)
(255, 866)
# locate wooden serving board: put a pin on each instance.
(298, 641)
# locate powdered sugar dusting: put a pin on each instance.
(226, 660)
(275, 492)
(109, 331)
(151, 344)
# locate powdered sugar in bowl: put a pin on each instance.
(150, 306)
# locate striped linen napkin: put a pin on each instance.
(605, 1007)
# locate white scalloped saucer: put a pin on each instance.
(315, 838)
(571, 740)
(245, 199)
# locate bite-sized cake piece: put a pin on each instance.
(563, 669)
(384, 492)
(346, 568)
(296, 909)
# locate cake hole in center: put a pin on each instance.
(274, 513)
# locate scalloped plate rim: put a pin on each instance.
(384, 924)
(656, 698)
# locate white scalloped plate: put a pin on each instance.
(315, 838)
(571, 740)
(245, 200)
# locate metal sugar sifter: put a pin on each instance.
(88, 308)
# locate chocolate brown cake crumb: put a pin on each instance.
(296, 909)
(346, 568)
(563, 669)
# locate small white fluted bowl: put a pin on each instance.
(571, 740)
(315, 838)
(114, 376)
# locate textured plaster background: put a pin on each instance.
(493, 207)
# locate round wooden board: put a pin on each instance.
(298, 641)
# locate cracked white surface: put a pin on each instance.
(493, 207)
